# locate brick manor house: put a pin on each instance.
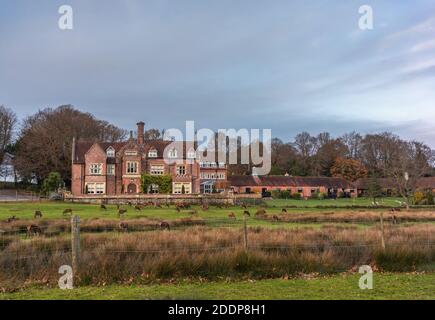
(104, 168)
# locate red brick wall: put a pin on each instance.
(77, 179)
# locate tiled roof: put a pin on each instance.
(287, 181)
(82, 147)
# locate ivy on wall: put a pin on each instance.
(164, 183)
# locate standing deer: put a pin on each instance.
(103, 207)
(284, 210)
(123, 226)
(164, 225)
(38, 214)
(246, 213)
(275, 218)
(33, 230)
(122, 212)
(67, 212)
(232, 216)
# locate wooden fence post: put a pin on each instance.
(75, 243)
(245, 233)
(382, 232)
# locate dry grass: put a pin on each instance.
(215, 253)
(354, 216)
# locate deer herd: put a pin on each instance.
(35, 230)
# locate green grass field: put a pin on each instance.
(343, 286)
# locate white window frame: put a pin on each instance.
(152, 153)
(132, 165)
(181, 172)
(172, 153)
(110, 152)
(177, 187)
(110, 169)
(95, 168)
(157, 170)
(96, 188)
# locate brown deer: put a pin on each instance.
(164, 225)
(193, 212)
(246, 213)
(38, 214)
(260, 212)
(122, 212)
(129, 204)
(11, 219)
(123, 226)
(33, 230)
(232, 216)
(103, 207)
(137, 208)
(67, 212)
(275, 218)
(284, 210)
(205, 207)
(118, 207)
(244, 206)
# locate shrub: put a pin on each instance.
(52, 183)
(418, 197)
(164, 183)
(430, 198)
(297, 196)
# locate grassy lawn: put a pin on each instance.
(345, 286)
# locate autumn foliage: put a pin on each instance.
(349, 169)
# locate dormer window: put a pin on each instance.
(152, 153)
(172, 153)
(191, 154)
(110, 152)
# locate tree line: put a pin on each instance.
(41, 144)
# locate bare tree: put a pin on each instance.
(353, 143)
(410, 162)
(8, 120)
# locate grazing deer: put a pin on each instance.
(244, 206)
(33, 230)
(38, 214)
(246, 213)
(67, 212)
(123, 226)
(275, 218)
(11, 219)
(103, 207)
(232, 216)
(178, 209)
(137, 208)
(193, 212)
(164, 225)
(129, 204)
(205, 207)
(167, 205)
(260, 212)
(284, 210)
(122, 212)
(395, 220)
(118, 207)
(158, 205)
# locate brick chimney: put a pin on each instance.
(140, 132)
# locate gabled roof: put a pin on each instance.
(82, 147)
(388, 183)
(287, 181)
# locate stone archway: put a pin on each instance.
(131, 188)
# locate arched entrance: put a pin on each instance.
(132, 188)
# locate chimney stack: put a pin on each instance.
(140, 132)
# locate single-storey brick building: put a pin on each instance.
(306, 186)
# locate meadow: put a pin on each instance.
(285, 241)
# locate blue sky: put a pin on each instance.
(285, 65)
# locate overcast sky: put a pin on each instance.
(285, 65)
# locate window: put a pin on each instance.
(208, 188)
(221, 164)
(132, 167)
(181, 170)
(157, 170)
(172, 153)
(95, 188)
(110, 152)
(96, 168)
(180, 187)
(152, 153)
(300, 190)
(110, 169)
(131, 153)
(191, 154)
(153, 188)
